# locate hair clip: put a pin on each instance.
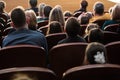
(99, 57)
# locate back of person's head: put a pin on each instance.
(98, 8)
(83, 19)
(54, 27)
(67, 14)
(47, 10)
(56, 14)
(31, 19)
(33, 3)
(72, 27)
(23, 76)
(96, 35)
(18, 17)
(89, 15)
(84, 4)
(90, 26)
(115, 14)
(2, 5)
(41, 9)
(95, 53)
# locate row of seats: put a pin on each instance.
(87, 72)
(60, 58)
(112, 28)
(52, 39)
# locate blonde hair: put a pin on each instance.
(115, 14)
(41, 9)
(90, 26)
(23, 76)
(32, 18)
(56, 14)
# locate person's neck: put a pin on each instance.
(22, 27)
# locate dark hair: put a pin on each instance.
(33, 3)
(83, 19)
(99, 8)
(84, 3)
(67, 14)
(72, 27)
(2, 6)
(47, 10)
(96, 35)
(18, 17)
(93, 49)
(54, 27)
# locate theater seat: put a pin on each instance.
(112, 27)
(113, 52)
(39, 72)
(100, 22)
(53, 39)
(93, 72)
(110, 37)
(65, 56)
(22, 56)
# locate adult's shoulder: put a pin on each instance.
(36, 31)
(110, 22)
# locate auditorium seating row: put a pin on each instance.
(52, 39)
(92, 72)
(59, 59)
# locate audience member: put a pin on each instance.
(72, 28)
(46, 11)
(23, 76)
(95, 53)
(23, 35)
(99, 14)
(89, 27)
(83, 6)
(89, 15)
(56, 14)
(2, 6)
(54, 27)
(83, 19)
(115, 16)
(41, 9)
(33, 5)
(2, 10)
(96, 35)
(41, 12)
(31, 19)
(67, 14)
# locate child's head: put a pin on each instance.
(55, 27)
(96, 35)
(23, 76)
(95, 53)
(91, 26)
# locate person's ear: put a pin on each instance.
(28, 20)
(12, 24)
